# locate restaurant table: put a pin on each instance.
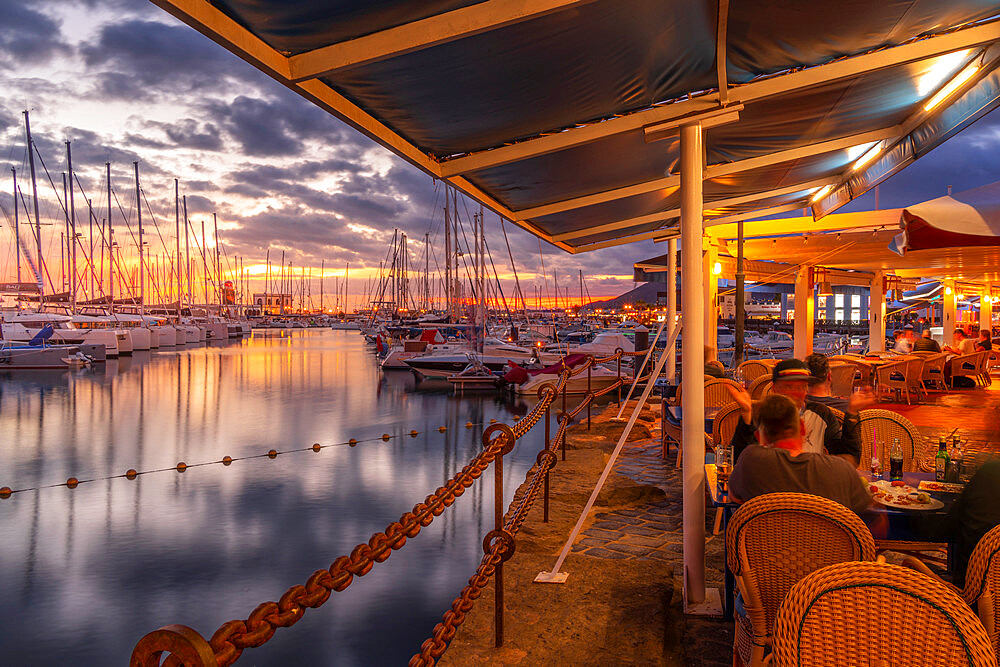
(674, 414)
(886, 523)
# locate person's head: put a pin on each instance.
(959, 334)
(777, 420)
(908, 332)
(819, 369)
(984, 334)
(791, 379)
(926, 333)
(897, 334)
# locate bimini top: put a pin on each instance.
(561, 115)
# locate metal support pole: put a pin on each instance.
(692, 359)
(619, 364)
(498, 525)
(545, 516)
(740, 297)
(590, 398)
(671, 304)
(876, 313)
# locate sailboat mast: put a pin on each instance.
(204, 262)
(17, 233)
(72, 223)
(64, 248)
(90, 240)
(447, 253)
(142, 270)
(322, 269)
(111, 244)
(187, 249)
(347, 272)
(218, 263)
(38, 221)
(177, 239)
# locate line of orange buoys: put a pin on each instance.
(131, 473)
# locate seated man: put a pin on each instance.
(824, 433)
(779, 464)
(713, 366)
(925, 343)
(975, 513)
(963, 344)
(819, 383)
(984, 344)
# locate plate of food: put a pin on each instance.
(941, 487)
(902, 496)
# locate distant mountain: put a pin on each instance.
(646, 292)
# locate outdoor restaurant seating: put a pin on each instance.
(982, 582)
(842, 378)
(933, 372)
(983, 365)
(749, 371)
(968, 365)
(723, 428)
(767, 555)
(760, 387)
(899, 376)
(862, 613)
(884, 426)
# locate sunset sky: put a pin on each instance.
(125, 81)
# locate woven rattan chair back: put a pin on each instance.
(767, 554)
(749, 371)
(883, 426)
(933, 372)
(877, 614)
(717, 393)
(966, 365)
(842, 378)
(892, 376)
(724, 425)
(760, 387)
(982, 584)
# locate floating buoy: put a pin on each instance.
(493, 421)
(72, 482)
(131, 473)
(317, 447)
(517, 418)
(469, 424)
(414, 434)
(385, 437)
(5, 491)
(226, 460)
(352, 442)
(181, 466)
(271, 453)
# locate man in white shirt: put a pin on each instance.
(963, 344)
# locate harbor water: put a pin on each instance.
(86, 572)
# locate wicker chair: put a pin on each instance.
(914, 376)
(749, 371)
(842, 378)
(982, 582)
(723, 428)
(760, 387)
(893, 377)
(967, 365)
(673, 432)
(886, 425)
(708, 378)
(877, 614)
(767, 554)
(983, 377)
(933, 372)
(717, 393)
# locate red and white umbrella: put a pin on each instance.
(966, 219)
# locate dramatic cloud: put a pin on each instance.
(28, 36)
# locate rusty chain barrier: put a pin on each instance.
(499, 544)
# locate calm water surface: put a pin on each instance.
(85, 573)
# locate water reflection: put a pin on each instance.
(86, 572)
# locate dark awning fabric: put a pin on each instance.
(540, 109)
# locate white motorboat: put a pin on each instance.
(443, 365)
(21, 326)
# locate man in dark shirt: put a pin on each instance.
(778, 463)
(824, 433)
(984, 344)
(975, 513)
(820, 390)
(925, 343)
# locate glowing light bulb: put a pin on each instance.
(717, 269)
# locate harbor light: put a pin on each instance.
(717, 269)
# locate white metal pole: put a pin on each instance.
(692, 363)
(876, 313)
(672, 302)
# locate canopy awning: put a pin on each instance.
(561, 115)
